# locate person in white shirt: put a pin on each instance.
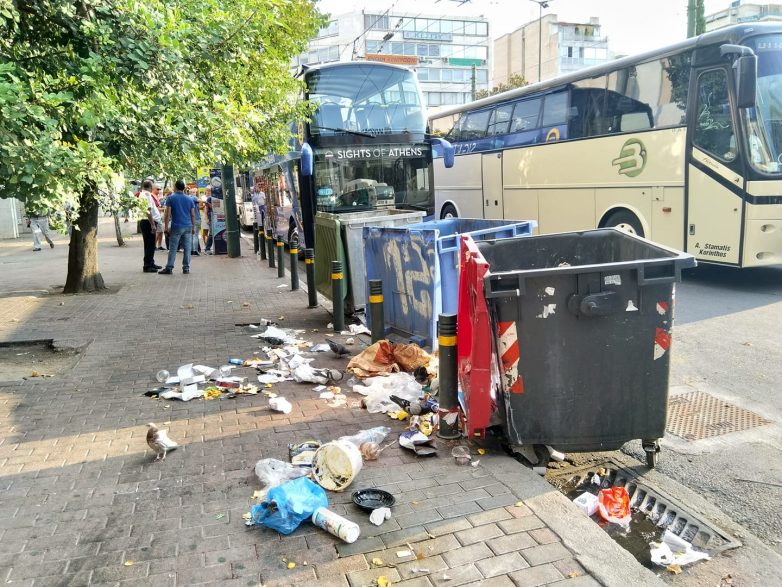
(148, 227)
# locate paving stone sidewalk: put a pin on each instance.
(83, 503)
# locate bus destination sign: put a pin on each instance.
(373, 152)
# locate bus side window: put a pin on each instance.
(555, 109)
(474, 125)
(500, 120)
(714, 125)
(526, 115)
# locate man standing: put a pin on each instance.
(181, 210)
(148, 226)
(259, 207)
(39, 223)
(209, 219)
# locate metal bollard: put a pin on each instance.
(280, 253)
(376, 310)
(448, 396)
(255, 238)
(262, 246)
(336, 296)
(309, 264)
(294, 250)
(270, 247)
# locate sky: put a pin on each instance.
(632, 26)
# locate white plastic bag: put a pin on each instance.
(273, 472)
(377, 391)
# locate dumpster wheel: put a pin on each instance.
(652, 449)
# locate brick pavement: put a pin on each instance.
(82, 503)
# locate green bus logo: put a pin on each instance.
(632, 158)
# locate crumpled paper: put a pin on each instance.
(380, 515)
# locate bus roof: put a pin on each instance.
(307, 69)
(723, 35)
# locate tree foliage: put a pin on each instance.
(95, 89)
(516, 80)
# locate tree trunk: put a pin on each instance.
(118, 230)
(83, 274)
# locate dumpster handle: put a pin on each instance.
(672, 273)
(450, 243)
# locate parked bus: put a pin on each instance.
(682, 145)
(365, 148)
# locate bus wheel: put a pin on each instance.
(626, 221)
(449, 211)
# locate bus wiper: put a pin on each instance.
(346, 130)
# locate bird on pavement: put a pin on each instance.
(337, 348)
(159, 441)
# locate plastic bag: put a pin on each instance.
(273, 472)
(376, 435)
(288, 505)
(613, 504)
(368, 441)
(378, 391)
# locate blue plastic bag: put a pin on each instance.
(288, 505)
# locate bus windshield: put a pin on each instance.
(364, 99)
(373, 176)
(764, 122)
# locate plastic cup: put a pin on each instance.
(162, 375)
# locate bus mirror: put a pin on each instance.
(448, 152)
(746, 80)
(306, 160)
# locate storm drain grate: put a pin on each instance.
(664, 512)
(698, 415)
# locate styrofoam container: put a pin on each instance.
(336, 464)
(587, 503)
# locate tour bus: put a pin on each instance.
(682, 145)
(365, 148)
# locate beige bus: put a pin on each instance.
(682, 145)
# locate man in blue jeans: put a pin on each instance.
(180, 209)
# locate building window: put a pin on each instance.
(376, 21)
(570, 51)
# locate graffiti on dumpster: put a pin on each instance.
(509, 356)
(413, 278)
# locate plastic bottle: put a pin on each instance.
(239, 362)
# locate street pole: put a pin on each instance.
(231, 221)
(691, 5)
(473, 82)
(541, 5)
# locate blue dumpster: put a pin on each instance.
(419, 267)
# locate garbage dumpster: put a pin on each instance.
(419, 266)
(580, 334)
(339, 237)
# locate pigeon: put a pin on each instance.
(159, 441)
(337, 348)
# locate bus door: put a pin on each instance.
(491, 169)
(714, 181)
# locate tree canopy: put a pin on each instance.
(93, 89)
(516, 80)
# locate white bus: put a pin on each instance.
(682, 145)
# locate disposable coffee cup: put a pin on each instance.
(335, 524)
